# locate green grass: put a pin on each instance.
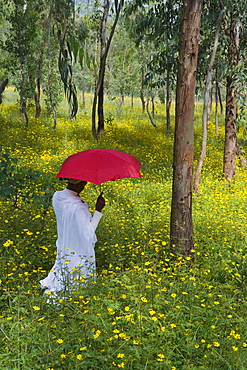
(148, 308)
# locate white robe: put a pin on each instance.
(75, 257)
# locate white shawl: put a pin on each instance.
(75, 257)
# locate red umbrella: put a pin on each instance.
(100, 165)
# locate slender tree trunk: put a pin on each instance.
(37, 99)
(230, 148)
(216, 106)
(121, 100)
(149, 114)
(207, 104)
(103, 56)
(23, 104)
(38, 89)
(99, 90)
(2, 88)
(94, 131)
(143, 91)
(101, 120)
(153, 106)
(168, 101)
(83, 93)
(181, 225)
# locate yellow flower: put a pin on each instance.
(121, 365)
(79, 357)
(160, 357)
(60, 341)
(97, 334)
(144, 299)
(120, 355)
(36, 308)
(8, 243)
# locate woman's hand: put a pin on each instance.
(100, 203)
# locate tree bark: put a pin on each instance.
(38, 88)
(2, 88)
(142, 93)
(181, 225)
(207, 105)
(230, 147)
(37, 99)
(168, 101)
(99, 90)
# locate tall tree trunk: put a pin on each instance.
(23, 105)
(2, 88)
(150, 116)
(168, 101)
(216, 105)
(105, 45)
(142, 94)
(83, 93)
(101, 120)
(153, 106)
(230, 148)
(207, 104)
(38, 94)
(37, 99)
(181, 225)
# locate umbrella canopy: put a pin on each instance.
(100, 165)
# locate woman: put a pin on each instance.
(75, 259)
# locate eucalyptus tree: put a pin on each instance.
(181, 225)
(64, 15)
(156, 26)
(207, 101)
(21, 47)
(4, 9)
(235, 30)
(123, 72)
(105, 42)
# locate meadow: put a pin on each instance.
(149, 308)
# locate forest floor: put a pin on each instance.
(148, 309)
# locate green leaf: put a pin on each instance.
(88, 61)
(81, 56)
(76, 49)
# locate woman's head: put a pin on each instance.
(76, 185)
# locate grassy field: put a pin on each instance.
(148, 308)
